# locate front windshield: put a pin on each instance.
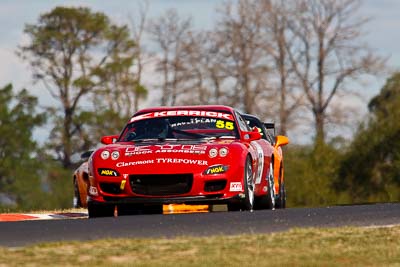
(180, 127)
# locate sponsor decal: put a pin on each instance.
(107, 172)
(182, 161)
(194, 113)
(235, 187)
(93, 191)
(186, 149)
(134, 163)
(162, 160)
(216, 169)
(138, 150)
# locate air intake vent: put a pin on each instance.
(161, 184)
(213, 186)
(110, 188)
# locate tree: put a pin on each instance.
(328, 54)
(243, 56)
(18, 119)
(170, 32)
(138, 30)
(309, 174)
(370, 169)
(68, 49)
(278, 40)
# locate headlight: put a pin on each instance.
(115, 155)
(213, 152)
(223, 152)
(105, 154)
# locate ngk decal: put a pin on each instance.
(137, 150)
(193, 113)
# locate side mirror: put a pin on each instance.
(251, 136)
(281, 140)
(109, 139)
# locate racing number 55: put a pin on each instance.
(227, 125)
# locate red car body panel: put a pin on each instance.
(175, 170)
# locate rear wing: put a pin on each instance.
(270, 126)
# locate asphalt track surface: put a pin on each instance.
(22, 233)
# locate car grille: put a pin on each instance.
(161, 184)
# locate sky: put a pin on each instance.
(382, 31)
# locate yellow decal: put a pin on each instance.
(123, 182)
(107, 172)
(216, 169)
(227, 125)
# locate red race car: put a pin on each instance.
(188, 154)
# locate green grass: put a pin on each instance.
(298, 247)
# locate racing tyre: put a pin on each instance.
(268, 200)
(96, 210)
(77, 203)
(281, 203)
(248, 202)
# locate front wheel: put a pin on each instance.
(281, 203)
(77, 203)
(247, 202)
(267, 201)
